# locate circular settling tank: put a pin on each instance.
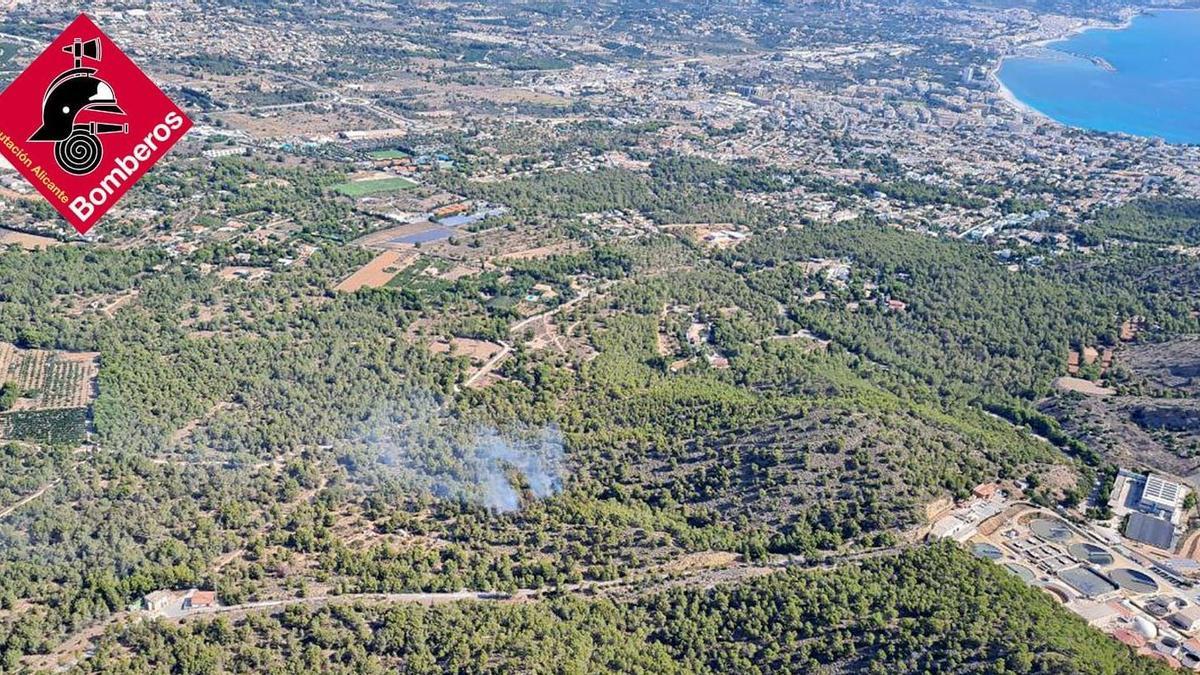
(1022, 571)
(1051, 530)
(1091, 553)
(1134, 581)
(987, 551)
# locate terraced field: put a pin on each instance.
(56, 390)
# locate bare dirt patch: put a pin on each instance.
(1190, 548)
(699, 561)
(484, 381)
(560, 248)
(244, 273)
(315, 119)
(478, 351)
(30, 242)
(1167, 365)
(1081, 386)
(1107, 426)
(105, 304)
(1143, 420)
(379, 271)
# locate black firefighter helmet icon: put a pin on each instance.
(76, 146)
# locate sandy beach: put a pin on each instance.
(1080, 27)
(1011, 98)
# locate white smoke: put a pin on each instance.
(537, 460)
(422, 444)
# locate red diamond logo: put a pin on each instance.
(83, 123)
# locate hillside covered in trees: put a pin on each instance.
(935, 610)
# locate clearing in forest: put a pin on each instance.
(26, 241)
(1081, 386)
(379, 271)
(360, 188)
(478, 351)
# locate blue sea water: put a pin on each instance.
(1153, 88)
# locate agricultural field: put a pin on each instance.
(379, 271)
(55, 388)
(425, 274)
(24, 367)
(387, 154)
(25, 240)
(360, 188)
(54, 427)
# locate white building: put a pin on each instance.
(952, 527)
(228, 151)
(1161, 495)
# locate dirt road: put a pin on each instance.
(491, 364)
(725, 569)
(25, 500)
(496, 360)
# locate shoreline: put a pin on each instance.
(1009, 97)
(1006, 94)
(1084, 27)
(1026, 111)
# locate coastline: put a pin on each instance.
(1085, 26)
(1006, 94)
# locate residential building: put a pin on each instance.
(199, 599)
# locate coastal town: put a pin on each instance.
(942, 151)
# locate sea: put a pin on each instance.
(1141, 79)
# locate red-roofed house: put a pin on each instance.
(199, 599)
(985, 490)
(1192, 645)
(1165, 658)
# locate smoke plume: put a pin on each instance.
(423, 445)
